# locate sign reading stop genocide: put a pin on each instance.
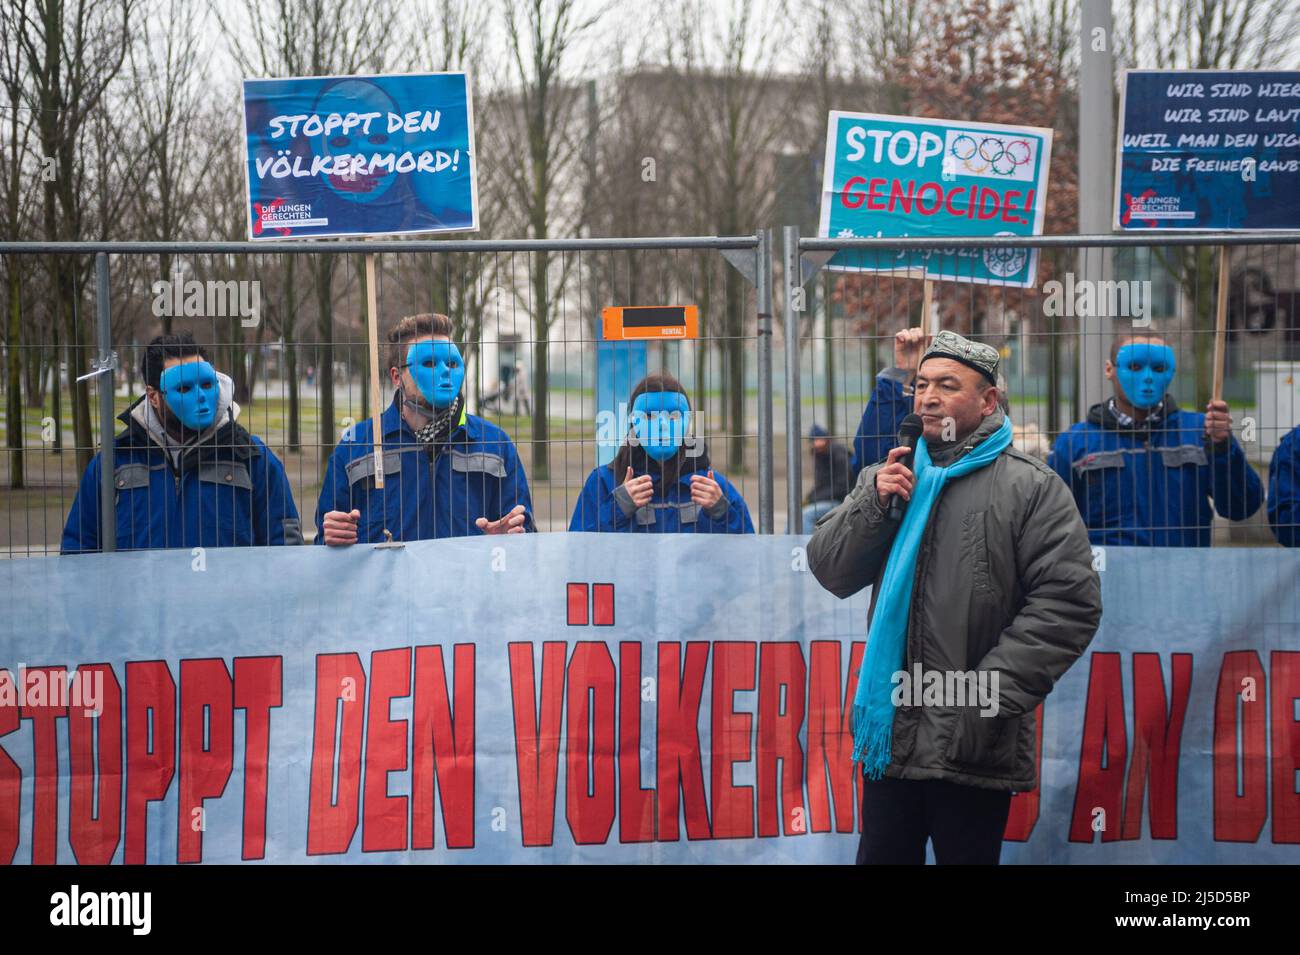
(901, 176)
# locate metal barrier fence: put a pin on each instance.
(528, 316)
(1055, 343)
(526, 313)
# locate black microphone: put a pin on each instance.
(909, 432)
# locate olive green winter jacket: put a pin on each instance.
(1004, 582)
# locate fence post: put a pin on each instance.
(766, 459)
(1096, 138)
(793, 279)
(107, 462)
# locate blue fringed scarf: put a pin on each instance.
(873, 709)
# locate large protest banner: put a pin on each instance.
(594, 698)
(360, 155)
(1208, 149)
(902, 176)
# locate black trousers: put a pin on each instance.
(899, 815)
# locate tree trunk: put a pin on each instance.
(364, 375)
(702, 351)
(541, 369)
(239, 362)
(56, 394)
(478, 379)
(255, 372)
(325, 373)
(1204, 282)
(290, 369)
(439, 290)
(541, 378)
(291, 374)
(830, 355)
(76, 347)
(14, 395)
(35, 374)
(1053, 424)
(164, 268)
(735, 375)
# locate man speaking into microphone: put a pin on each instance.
(983, 586)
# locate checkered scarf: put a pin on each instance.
(439, 429)
(1129, 423)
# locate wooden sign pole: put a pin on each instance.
(928, 320)
(1221, 323)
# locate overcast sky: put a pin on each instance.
(630, 26)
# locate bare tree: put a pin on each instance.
(975, 64)
(628, 163)
(310, 38)
(539, 114)
(457, 283)
(73, 53)
(1050, 30)
(18, 122)
(169, 80)
(834, 37)
(733, 111)
(1206, 34)
(881, 35)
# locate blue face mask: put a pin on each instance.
(438, 370)
(191, 391)
(661, 421)
(1145, 370)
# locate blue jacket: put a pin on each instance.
(1152, 485)
(878, 431)
(1284, 490)
(605, 506)
(476, 474)
(228, 491)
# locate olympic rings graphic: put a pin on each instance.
(1002, 157)
(996, 142)
(1027, 151)
(970, 152)
(1004, 165)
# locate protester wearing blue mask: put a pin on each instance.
(191, 391)
(447, 473)
(1145, 370)
(1145, 472)
(438, 370)
(661, 481)
(186, 473)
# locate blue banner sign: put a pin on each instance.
(1208, 149)
(360, 156)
